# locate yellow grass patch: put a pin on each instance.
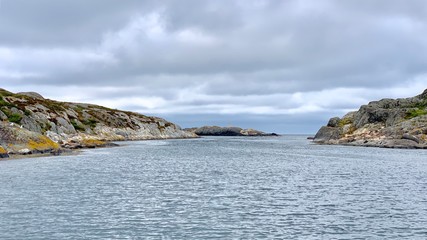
(2, 150)
(43, 143)
(92, 142)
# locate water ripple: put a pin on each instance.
(217, 188)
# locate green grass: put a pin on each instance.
(344, 122)
(54, 106)
(5, 93)
(77, 126)
(3, 103)
(415, 113)
(422, 104)
(90, 122)
(27, 112)
(15, 118)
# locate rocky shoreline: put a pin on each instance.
(31, 124)
(228, 131)
(388, 123)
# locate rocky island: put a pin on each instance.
(227, 131)
(31, 124)
(388, 123)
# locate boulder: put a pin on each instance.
(333, 122)
(326, 134)
(410, 137)
(2, 116)
(30, 124)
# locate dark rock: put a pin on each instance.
(111, 144)
(333, 122)
(326, 134)
(423, 95)
(227, 131)
(56, 152)
(218, 131)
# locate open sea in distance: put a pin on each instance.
(217, 188)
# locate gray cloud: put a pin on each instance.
(289, 59)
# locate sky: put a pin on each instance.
(283, 66)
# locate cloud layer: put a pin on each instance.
(254, 60)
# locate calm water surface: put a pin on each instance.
(217, 188)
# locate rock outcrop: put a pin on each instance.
(227, 131)
(31, 124)
(389, 123)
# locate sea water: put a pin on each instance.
(217, 188)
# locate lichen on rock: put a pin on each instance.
(391, 123)
(32, 124)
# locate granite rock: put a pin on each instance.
(389, 123)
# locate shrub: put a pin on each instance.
(415, 113)
(90, 122)
(15, 118)
(54, 106)
(3, 103)
(344, 122)
(77, 126)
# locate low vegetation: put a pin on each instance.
(42, 144)
(92, 142)
(15, 118)
(91, 122)
(2, 150)
(415, 112)
(77, 126)
(4, 103)
(344, 122)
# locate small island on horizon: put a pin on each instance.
(228, 131)
(31, 124)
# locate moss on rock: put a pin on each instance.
(42, 144)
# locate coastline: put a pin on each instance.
(78, 150)
(70, 152)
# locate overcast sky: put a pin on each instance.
(284, 66)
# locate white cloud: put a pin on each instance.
(268, 58)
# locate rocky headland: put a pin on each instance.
(388, 123)
(227, 131)
(31, 124)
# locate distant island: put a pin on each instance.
(31, 124)
(227, 131)
(388, 123)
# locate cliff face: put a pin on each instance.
(31, 124)
(391, 123)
